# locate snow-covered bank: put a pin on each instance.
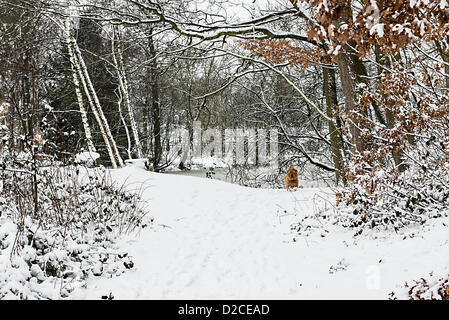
(215, 240)
(51, 246)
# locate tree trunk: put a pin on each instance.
(330, 92)
(79, 96)
(389, 116)
(155, 111)
(76, 63)
(124, 87)
(128, 137)
(442, 50)
(349, 93)
(347, 78)
(361, 74)
(98, 106)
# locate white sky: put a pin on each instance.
(238, 10)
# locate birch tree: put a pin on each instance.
(123, 81)
(89, 90)
(73, 64)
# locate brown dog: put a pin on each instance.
(291, 178)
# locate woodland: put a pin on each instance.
(358, 91)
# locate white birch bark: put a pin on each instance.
(79, 96)
(80, 66)
(98, 105)
(96, 115)
(128, 137)
(124, 87)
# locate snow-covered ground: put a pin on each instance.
(215, 240)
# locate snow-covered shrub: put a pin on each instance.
(432, 287)
(402, 175)
(58, 226)
(89, 159)
(255, 177)
(41, 264)
(319, 219)
(61, 139)
(408, 199)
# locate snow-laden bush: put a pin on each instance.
(89, 159)
(396, 200)
(399, 174)
(41, 264)
(58, 226)
(254, 177)
(430, 287)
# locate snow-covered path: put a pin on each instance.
(215, 240)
